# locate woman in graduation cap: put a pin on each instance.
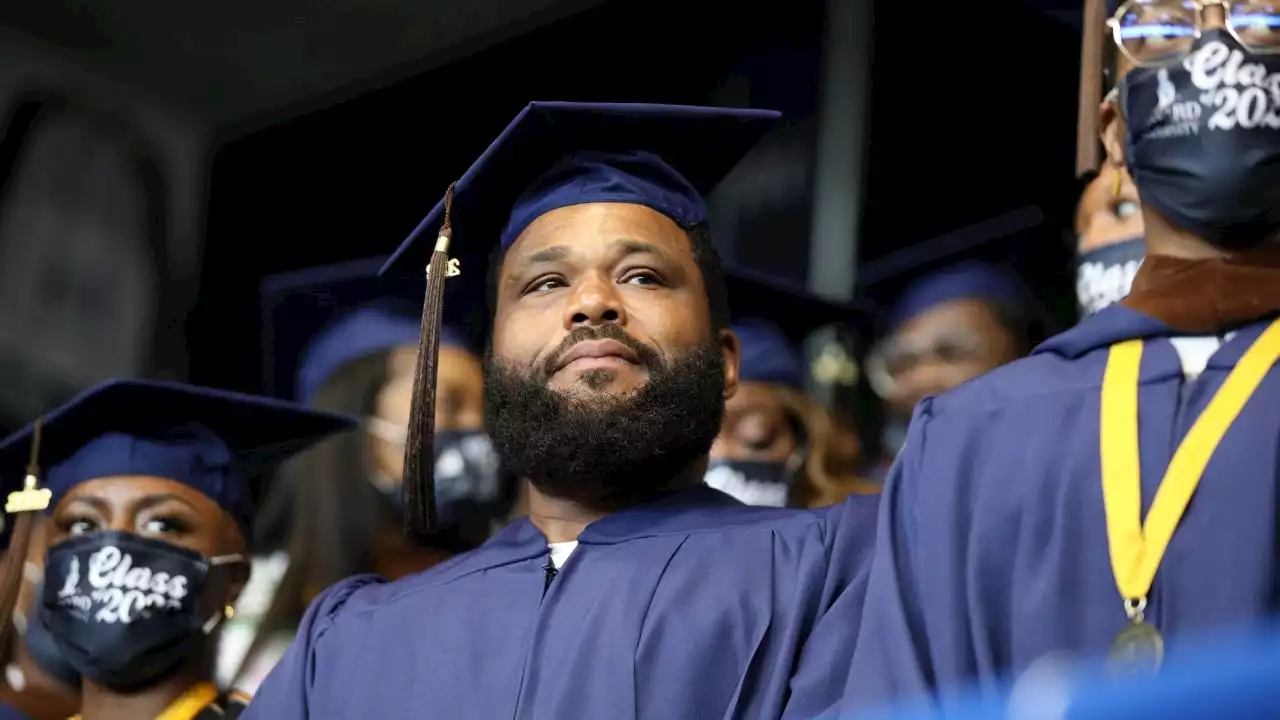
(777, 446)
(341, 339)
(150, 490)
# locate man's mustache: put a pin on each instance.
(647, 355)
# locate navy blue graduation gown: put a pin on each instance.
(992, 545)
(9, 712)
(694, 607)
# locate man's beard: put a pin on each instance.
(590, 446)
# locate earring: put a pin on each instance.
(1115, 187)
(228, 612)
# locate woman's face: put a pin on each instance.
(152, 507)
(459, 399)
(756, 427)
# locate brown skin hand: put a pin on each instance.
(590, 265)
(175, 513)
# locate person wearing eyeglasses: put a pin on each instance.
(1115, 491)
(945, 329)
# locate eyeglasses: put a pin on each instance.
(1157, 32)
(891, 359)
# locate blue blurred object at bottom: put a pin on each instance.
(1235, 675)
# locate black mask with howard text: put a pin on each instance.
(123, 609)
(1203, 142)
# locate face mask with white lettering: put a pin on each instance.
(41, 645)
(125, 610)
(1104, 275)
(1203, 143)
(753, 482)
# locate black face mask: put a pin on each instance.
(466, 471)
(42, 647)
(1204, 140)
(124, 610)
(1104, 275)
(753, 482)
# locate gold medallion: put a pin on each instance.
(1137, 651)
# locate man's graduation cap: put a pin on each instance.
(317, 320)
(553, 155)
(772, 319)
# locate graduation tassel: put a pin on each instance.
(22, 504)
(419, 486)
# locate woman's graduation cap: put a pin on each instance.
(215, 441)
(553, 155)
(319, 319)
(772, 320)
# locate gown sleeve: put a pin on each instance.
(286, 694)
(819, 677)
(892, 660)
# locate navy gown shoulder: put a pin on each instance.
(991, 548)
(698, 608)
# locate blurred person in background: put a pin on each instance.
(944, 330)
(346, 341)
(631, 589)
(1116, 491)
(777, 446)
(151, 488)
(38, 683)
(1109, 240)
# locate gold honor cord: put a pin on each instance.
(1138, 546)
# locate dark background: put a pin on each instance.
(972, 114)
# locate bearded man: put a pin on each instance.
(631, 590)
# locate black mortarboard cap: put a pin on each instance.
(218, 442)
